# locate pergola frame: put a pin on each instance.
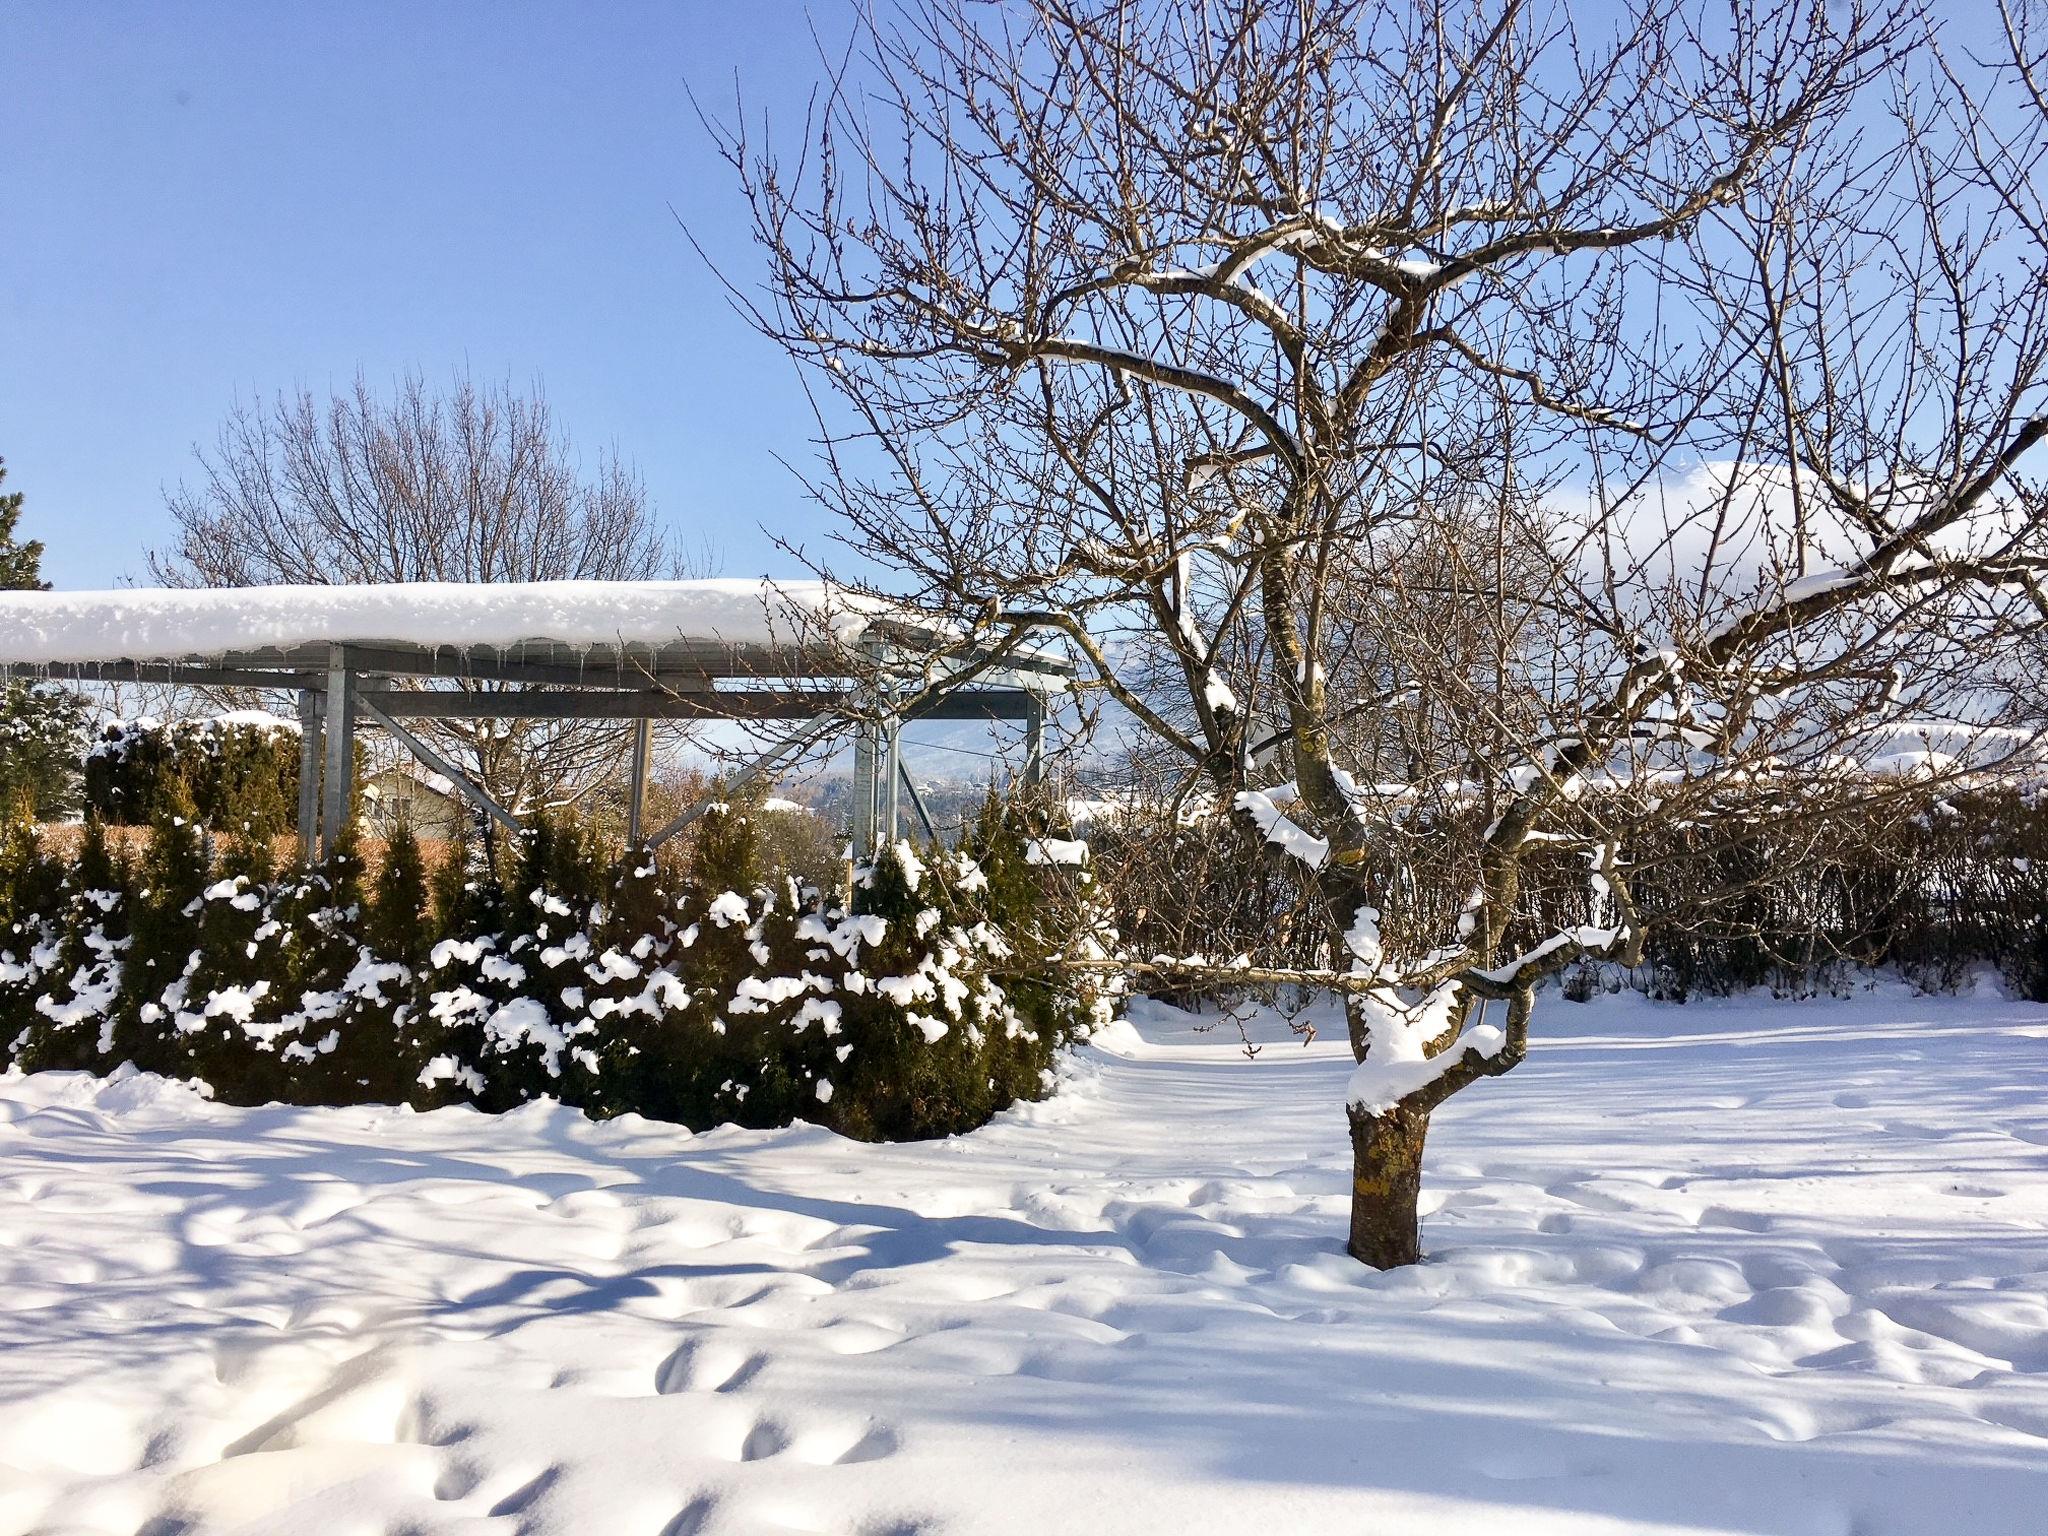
(897, 672)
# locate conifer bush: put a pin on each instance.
(32, 931)
(163, 927)
(727, 990)
(70, 1015)
(233, 768)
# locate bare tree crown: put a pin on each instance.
(1449, 433)
(476, 483)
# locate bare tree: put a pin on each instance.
(1459, 435)
(474, 484)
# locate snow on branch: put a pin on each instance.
(1397, 1064)
(1280, 831)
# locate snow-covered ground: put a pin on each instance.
(1737, 1267)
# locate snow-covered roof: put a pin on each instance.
(417, 773)
(156, 624)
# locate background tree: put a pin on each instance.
(21, 565)
(42, 727)
(1459, 438)
(477, 483)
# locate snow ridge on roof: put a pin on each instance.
(163, 624)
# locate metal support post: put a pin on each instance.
(637, 801)
(916, 800)
(338, 790)
(1034, 739)
(309, 773)
(892, 781)
(472, 790)
(792, 746)
(864, 791)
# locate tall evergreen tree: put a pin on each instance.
(30, 883)
(164, 931)
(21, 565)
(77, 1002)
(225, 1029)
(400, 921)
(42, 727)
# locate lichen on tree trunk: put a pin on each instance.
(1386, 1184)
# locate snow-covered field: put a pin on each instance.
(1737, 1267)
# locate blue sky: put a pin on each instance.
(205, 202)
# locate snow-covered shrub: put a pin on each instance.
(235, 768)
(500, 1004)
(1179, 885)
(163, 925)
(68, 1006)
(932, 1039)
(43, 730)
(1937, 887)
(234, 978)
(32, 928)
(919, 1010)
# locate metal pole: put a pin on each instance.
(892, 799)
(864, 787)
(1034, 740)
(916, 800)
(637, 795)
(309, 772)
(341, 750)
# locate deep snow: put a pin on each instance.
(153, 623)
(1731, 1267)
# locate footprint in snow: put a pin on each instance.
(766, 1438)
(1740, 1221)
(691, 1519)
(838, 1445)
(1586, 1197)
(458, 1480)
(526, 1495)
(707, 1365)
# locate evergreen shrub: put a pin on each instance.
(235, 769)
(727, 991)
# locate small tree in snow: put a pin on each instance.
(1456, 435)
(164, 926)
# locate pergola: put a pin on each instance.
(804, 653)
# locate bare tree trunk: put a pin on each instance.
(1386, 1183)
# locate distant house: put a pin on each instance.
(405, 792)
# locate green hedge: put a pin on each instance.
(239, 771)
(727, 994)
